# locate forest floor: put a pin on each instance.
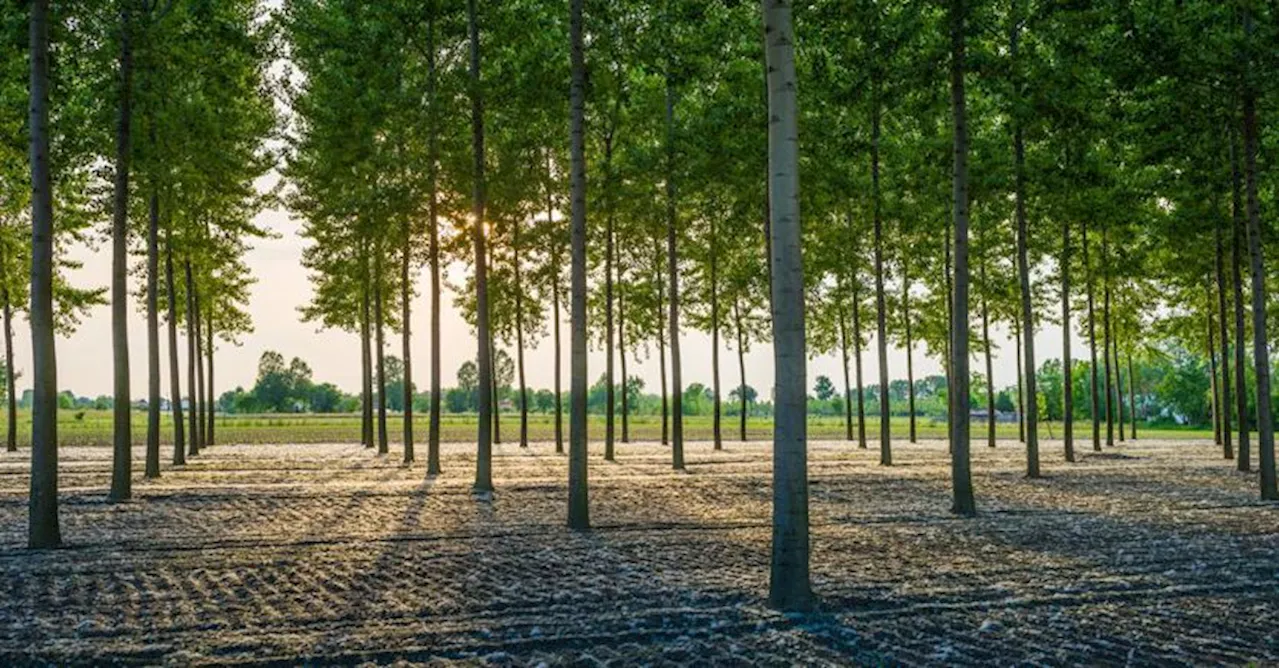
(1151, 553)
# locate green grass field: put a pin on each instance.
(89, 427)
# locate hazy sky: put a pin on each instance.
(84, 359)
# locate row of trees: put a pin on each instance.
(1084, 196)
(1109, 147)
(146, 125)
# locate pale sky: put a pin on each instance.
(84, 359)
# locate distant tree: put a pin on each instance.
(544, 401)
(824, 389)
(325, 398)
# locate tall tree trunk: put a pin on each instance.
(789, 587)
(857, 366)
(198, 347)
(1115, 358)
(715, 342)
(484, 445)
(555, 310)
(366, 350)
(175, 382)
(122, 438)
(42, 528)
(911, 376)
(673, 281)
(1227, 452)
(406, 336)
(662, 349)
(1238, 234)
(193, 430)
(1068, 406)
(433, 228)
(1094, 404)
(579, 515)
(1261, 354)
(524, 392)
(742, 375)
(10, 378)
(622, 359)
(1027, 314)
(1022, 404)
(986, 349)
(380, 351)
(961, 481)
(1133, 406)
(609, 380)
(555, 320)
(1106, 338)
(844, 367)
(212, 403)
(882, 340)
(493, 358)
(1215, 392)
(951, 324)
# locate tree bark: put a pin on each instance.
(43, 530)
(1227, 450)
(986, 349)
(484, 445)
(1261, 354)
(366, 350)
(1237, 262)
(175, 382)
(844, 367)
(193, 431)
(951, 320)
(579, 515)
(742, 375)
(405, 340)
(622, 359)
(1133, 406)
(555, 310)
(609, 397)
(1115, 358)
(524, 392)
(1068, 404)
(1024, 273)
(963, 503)
(1106, 338)
(380, 350)
(662, 349)
(857, 366)
(198, 347)
(789, 587)
(882, 340)
(673, 280)
(555, 319)
(212, 403)
(10, 378)
(122, 438)
(715, 343)
(1022, 404)
(433, 227)
(1094, 403)
(911, 378)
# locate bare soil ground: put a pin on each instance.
(1152, 553)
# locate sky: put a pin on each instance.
(84, 358)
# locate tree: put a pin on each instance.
(789, 565)
(484, 445)
(43, 529)
(1262, 363)
(579, 514)
(959, 360)
(824, 389)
